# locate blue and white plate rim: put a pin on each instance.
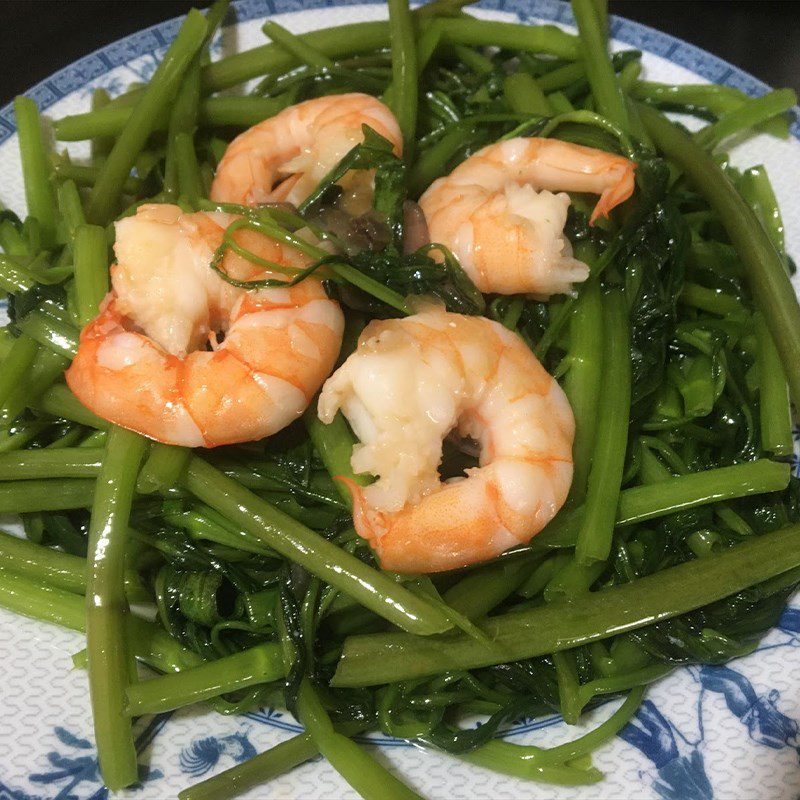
(150, 40)
(153, 40)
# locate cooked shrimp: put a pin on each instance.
(143, 363)
(408, 384)
(283, 158)
(497, 212)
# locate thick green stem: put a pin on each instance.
(262, 768)
(59, 401)
(404, 73)
(572, 579)
(525, 96)
(749, 115)
(91, 270)
(478, 593)
(611, 439)
(706, 98)
(642, 503)
(40, 601)
(274, 59)
(70, 206)
(101, 145)
(84, 175)
(546, 39)
(430, 36)
(756, 189)
(16, 364)
(255, 771)
(71, 462)
(560, 103)
(762, 263)
(159, 93)
(334, 443)
(568, 683)
(582, 383)
(260, 664)
(713, 300)
(606, 91)
(432, 162)
(238, 112)
(562, 77)
(20, 497)
(774, 410)
(296, 45)
(717, 99)
(543, 574)
(386, 658)
(601, 10)
(55, 334)
(163, 468)
(55, 568)
(39, 193)
(46, 369)
(257, 518)
(369, 778)
(363, 37)
(44, 565)
(180, 133)
(110, 662)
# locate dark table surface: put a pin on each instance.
(41, 36)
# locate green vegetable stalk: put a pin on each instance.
(110, 662)
(763, 265)
(611, 438)
(35, 171)
(386, 658)
(159, 92)
(320, 557)
(260, 664)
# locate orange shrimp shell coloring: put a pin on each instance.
(497, 212)
(283, 158)
(410, 383)
(143, 363)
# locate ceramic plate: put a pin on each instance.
(711, 732)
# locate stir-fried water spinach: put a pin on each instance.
(675, 354)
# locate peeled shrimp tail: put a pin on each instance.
(620, 187)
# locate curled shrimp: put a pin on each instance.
(497, 212)
(283, 158)
(408, 384)
(151, 361)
